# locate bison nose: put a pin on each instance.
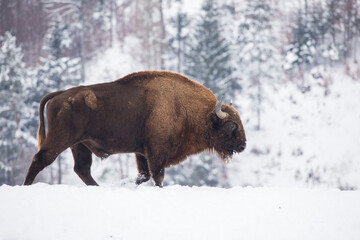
(242, 146)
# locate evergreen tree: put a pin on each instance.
(324, 48)
(303, 50)
(12, 74)
(58, 9)
(259, 59)
(58, 72)
(350, 21)
(208, 60)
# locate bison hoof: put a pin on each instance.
(142, 178)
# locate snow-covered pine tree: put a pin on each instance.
(314, 42)
(303, 50)
(325, 49)
(208, 58)
(12, 73)
(71, 9)
(349, 22)
(335, 27)
(259, 58)
(58, 72)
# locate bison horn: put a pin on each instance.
(220, 113)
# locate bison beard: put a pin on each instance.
(161, 116)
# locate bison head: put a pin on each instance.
(228, 132)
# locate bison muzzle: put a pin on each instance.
(161, 116)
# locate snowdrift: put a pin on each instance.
(66, 212)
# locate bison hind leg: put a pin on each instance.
(47, 154)
(42, 159)
(143, 169)
(83, 161)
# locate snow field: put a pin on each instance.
(56, 212)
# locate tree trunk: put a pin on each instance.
(82, 41)
(113, 23)
(259, 105)
(259, 97)
(162, 35)
(59, 177)
(178, 39)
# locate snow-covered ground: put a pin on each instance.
(62, 212)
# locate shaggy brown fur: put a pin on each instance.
(161, 116)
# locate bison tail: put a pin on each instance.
(41, 131)
(40, 135)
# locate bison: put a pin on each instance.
(161, 116)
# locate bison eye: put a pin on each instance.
(230, 127)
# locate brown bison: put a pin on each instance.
(161, 116)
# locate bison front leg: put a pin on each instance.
(143, 169)
(158, 176)
(157, 170)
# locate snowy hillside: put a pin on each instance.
(307, 139)
(103, 213)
